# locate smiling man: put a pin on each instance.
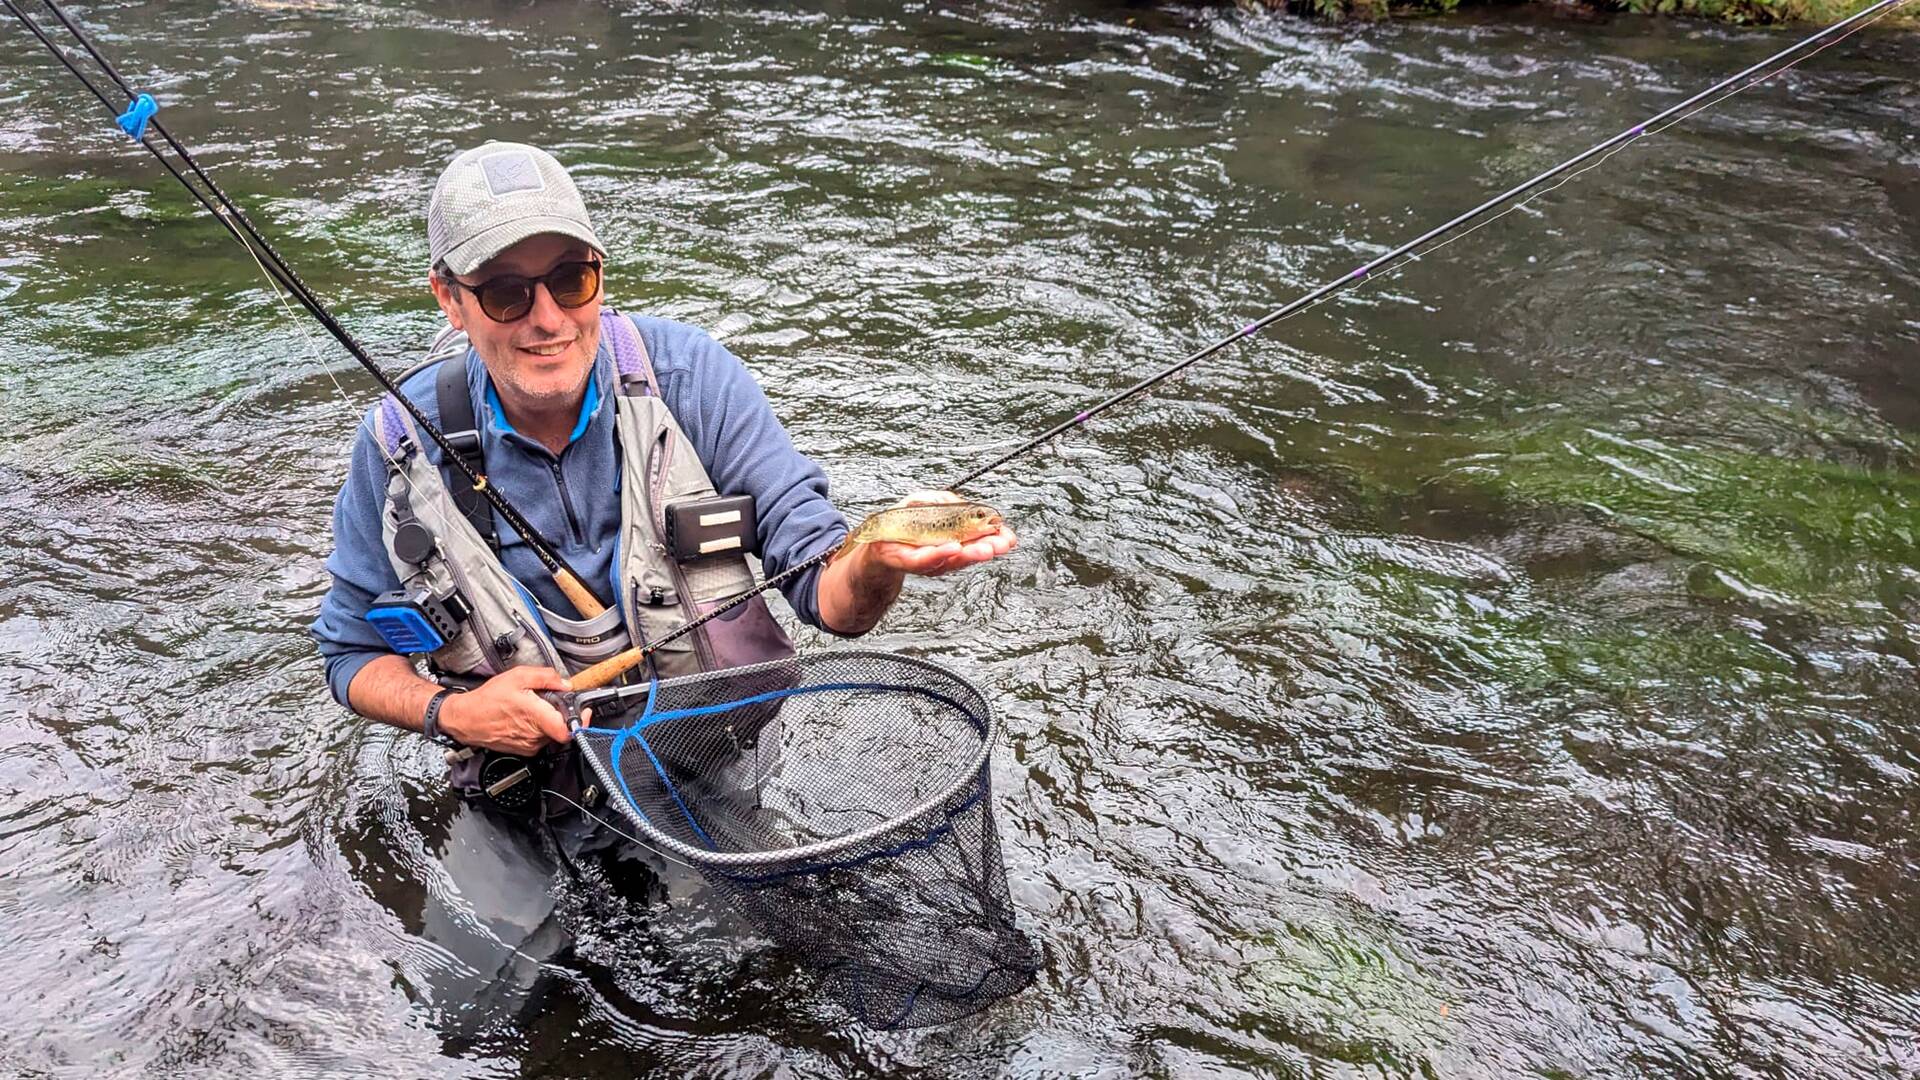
(599, 428)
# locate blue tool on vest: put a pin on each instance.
(417, 622)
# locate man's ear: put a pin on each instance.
(449, 303)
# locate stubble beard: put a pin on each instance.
(545, 393)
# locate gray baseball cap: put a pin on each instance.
(494, 196)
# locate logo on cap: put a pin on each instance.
(511, 171)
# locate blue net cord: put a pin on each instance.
(932, 837)
(633, 731)
(774, 695)
(648, 717)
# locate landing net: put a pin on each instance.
(842, 803)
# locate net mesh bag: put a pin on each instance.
(840, 801)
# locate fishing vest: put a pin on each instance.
(505, 627)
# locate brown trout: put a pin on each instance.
(924, 525)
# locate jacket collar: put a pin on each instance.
(599, 382)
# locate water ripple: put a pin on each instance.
(1506, 669)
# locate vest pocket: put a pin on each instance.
(463, 655)
(667, 594)
(715, 579)
(657, 612)
(750, 637)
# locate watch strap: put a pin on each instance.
(430, 723)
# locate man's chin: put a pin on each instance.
(552, 395)
(549, 389)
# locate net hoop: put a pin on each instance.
(988, 729)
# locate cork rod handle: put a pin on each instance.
(587, 604)
(607, 670)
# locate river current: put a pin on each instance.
(1506, 670)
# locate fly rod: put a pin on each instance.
(614, 667)
(139, 116)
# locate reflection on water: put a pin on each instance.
(1508, 669)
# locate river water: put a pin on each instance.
(1508, 670)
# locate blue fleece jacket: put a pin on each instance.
(573, 499)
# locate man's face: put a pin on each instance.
(543, 358)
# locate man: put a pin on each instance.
(517, 268)
(593, 425)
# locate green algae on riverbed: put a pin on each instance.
(1776, 531)
(1772, 529)
(1822, 518)
(172, 263)
(1350, 992)
(1628, 565)
(1519, 691)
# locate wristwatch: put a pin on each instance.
(430, 724)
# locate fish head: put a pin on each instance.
(978, 520)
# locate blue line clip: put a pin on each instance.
(134, 120)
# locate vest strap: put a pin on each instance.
(391, 427)
(629, 355)
(463, 433)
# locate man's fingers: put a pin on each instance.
(937, 559)
(551, 723)
(918, 560)
(541, 678)
(927, 497)
(944, 558)
(898, 555)
(946, 563)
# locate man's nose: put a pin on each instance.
(546, 312)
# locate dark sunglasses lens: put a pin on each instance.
(506, 299)
(574, 284)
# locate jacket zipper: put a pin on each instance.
(566, 503)
(637, 629)
(465, 587)
(656, 472)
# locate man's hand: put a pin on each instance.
(506, 714)
(936, 559)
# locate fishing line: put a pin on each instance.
(281, 272)
(277, 286)
(1387, 265)
(618, 831)
(1381, 267)
(365, 418)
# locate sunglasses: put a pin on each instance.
(508, 297)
